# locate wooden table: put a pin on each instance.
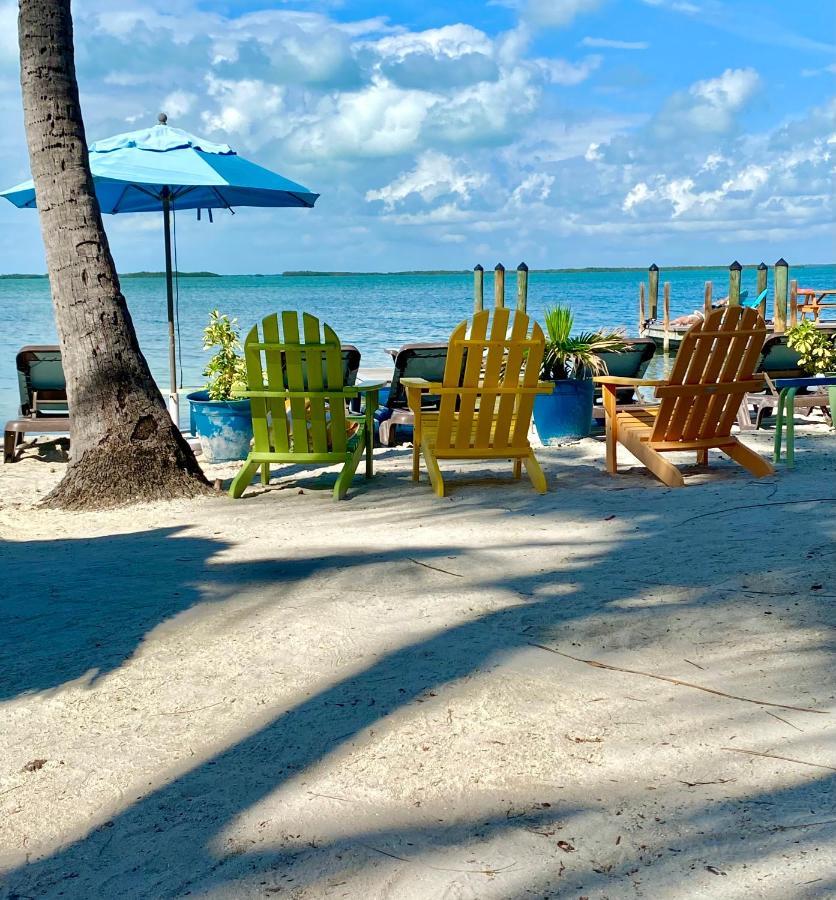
(788, 388)
(812, 300)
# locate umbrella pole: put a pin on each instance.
(173, 398)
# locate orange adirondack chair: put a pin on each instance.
(713, 370)
(487, 397)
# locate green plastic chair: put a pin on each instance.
(299, 415)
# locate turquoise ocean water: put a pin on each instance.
(372, 311)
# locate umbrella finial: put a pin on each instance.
(162, 118)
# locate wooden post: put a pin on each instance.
(761, 286)
(782, 270)
(666, 313)
(793, 303)
(706, 305)
(499, 286)
(522, 287)
(653, 291)
(641, 307)
(478, 288)
(735, 271)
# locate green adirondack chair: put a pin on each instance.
(299, 415)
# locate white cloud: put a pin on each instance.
(593, 152)
(614, 44)
(378, 121)
(561, 71)
(533, 188)
(709, 106)
(179, 103)
(639, 193)
(435, 175)
(557, 13)
(245, 108)
(748, 179)
(824, 70)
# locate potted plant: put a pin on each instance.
(570, 362)
(222, 423)
(815, 348)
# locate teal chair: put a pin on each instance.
(43, 397)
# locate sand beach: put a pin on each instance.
(289, 697)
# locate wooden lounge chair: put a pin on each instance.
(487, 396)
(629, 363)
(713, 370)
(410, 361)
(43, 397)
(300, 415)
(777, 360)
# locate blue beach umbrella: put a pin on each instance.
(160, 169)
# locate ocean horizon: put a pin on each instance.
(372, 311)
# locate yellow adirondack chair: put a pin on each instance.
(713, 370)
(299, 415)
(487, 396)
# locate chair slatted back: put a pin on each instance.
(301, 407)
(713, 369)
(40, 375)
(490, 369)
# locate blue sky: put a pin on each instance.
(441, 134)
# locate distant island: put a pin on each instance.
(311, 273)
(134, 275)
(308, 273)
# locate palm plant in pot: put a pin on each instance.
(222, 421)
(569, 363)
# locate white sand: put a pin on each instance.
(282, 697)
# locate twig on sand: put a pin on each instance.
(702, 783)
(694, 664)
(803, 825)
(329, 796)
(729, 509)
(182, 712)
(802, 762)
(600, 665)
(784, 721)
(434, 568)
(406, 859)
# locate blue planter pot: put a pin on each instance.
(566, 413)
(225, 427)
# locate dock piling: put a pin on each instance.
(735, 271)
(666, 313)
(522, 287)
(641, 307)
(793, 303)
(761, 286)
(499, 286)
(478, 288)
(653, 291)
(707, 299)
(780, 280)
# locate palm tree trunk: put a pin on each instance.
(124, 446)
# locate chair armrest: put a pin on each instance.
(621, 381)
(362, 387)
(422, 384)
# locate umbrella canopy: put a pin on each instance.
(162, 168)
(131, 172)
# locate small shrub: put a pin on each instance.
(816, 348)
(226, 370)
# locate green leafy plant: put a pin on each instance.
(575, 356)
(226, 370)
(817, 353)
